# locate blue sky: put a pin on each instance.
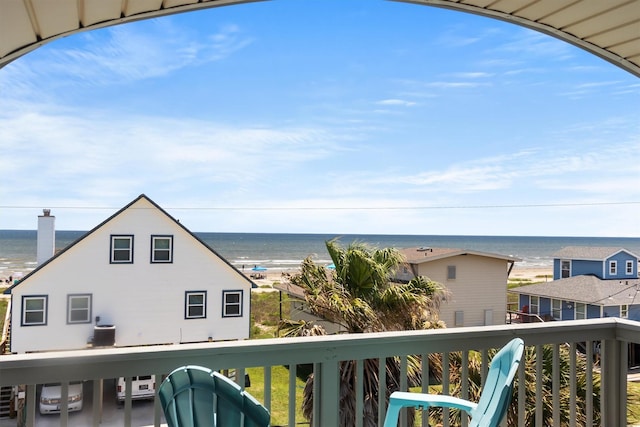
(323, 116)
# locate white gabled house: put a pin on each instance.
(139, 278)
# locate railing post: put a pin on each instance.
(539, 377)
(329, 393)
(31, 405)
(359, 392)
(382, 387)
(98, 396)
(613, 393)
(292, 394)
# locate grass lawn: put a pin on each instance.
(279, 394)
(3, 311)
(265, 315)
(633, 403)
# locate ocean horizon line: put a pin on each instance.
(365, 234)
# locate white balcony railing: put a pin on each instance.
(325, 353)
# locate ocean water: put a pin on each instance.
(278, 252)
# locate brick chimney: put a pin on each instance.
(46, 236)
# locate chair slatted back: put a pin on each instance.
(496, 391)
(196, 396)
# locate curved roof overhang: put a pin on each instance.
(609, 29)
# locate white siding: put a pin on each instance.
(144, 301)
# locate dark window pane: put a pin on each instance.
(35, 304)
(196, 299)
(34, 317)
(161, 255)
(161, 243)
(79, 315)
(79, 303)
(233, 310)
(121, 255)
(196, 311)
(121, 243)
(232, 298)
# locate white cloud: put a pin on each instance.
(127, 53)
(434, 131)
(396, 102)
(473, 75)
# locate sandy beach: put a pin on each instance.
(534, 274)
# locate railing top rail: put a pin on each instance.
(113, 362)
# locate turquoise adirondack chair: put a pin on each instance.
(194, 396)
(494, 399)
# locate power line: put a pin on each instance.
(340, 208)
(625, 289)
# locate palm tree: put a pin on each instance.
(360, 297)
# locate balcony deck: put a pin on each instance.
(325, 354)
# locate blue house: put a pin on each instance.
(602, 262)
(589, 282)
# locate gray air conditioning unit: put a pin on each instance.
(104, 336)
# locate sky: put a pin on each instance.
(323, 116)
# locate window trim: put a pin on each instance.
(536, 305)
(225, 304)
(112, 259)
(584, 311)
(564, 262)
(629, 266)
(613, 268)
(153, 249)
(187, 305)
(451, 272)
(89, 308)
(556, 310)
(459, 318)
(45, 310)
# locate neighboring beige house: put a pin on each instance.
(477, 282)
(139, 278)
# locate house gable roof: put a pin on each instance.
(590, 253)
(422, 255)
(588, 289)
(112, 217)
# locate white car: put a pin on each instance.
(50, 397)
(142, 387)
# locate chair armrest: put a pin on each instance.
(426, 400)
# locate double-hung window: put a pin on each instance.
(613, 268)
(556, 309)
(629, 267)
(624, 311)
(34, 310)
(195, 305)
(232, 304)
(581, 310)
(565, 269)
(161, 249)
(451, 272)
(79, 308)
(534, 305)
(122, 249)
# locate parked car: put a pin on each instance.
(50, 397)
(142, 387)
